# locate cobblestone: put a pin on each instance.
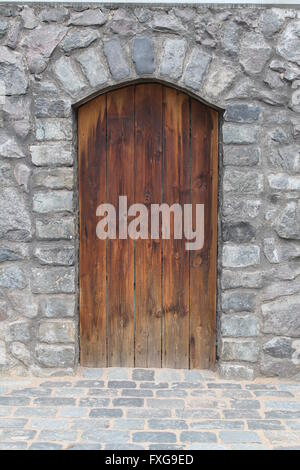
(190, 410)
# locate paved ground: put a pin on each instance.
(148, 409)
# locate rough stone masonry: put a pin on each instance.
(244, 60)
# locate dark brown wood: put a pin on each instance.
(175, 258)
(120, 262)
(148, 144)
(204, 174)
(147, 303)
(92, 258)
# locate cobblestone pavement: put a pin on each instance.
(148, 409)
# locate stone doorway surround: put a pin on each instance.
(243, 60)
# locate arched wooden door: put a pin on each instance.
(147, 303)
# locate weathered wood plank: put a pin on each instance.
(120, 263)
(92, 260)
(148, 143)
(175, 259)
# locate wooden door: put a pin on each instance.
(147, 302)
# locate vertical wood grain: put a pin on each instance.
(92, 258)
(175, 272)
(120, 263)
(204, 174)
(148, 142)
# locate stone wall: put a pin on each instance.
(243, 60)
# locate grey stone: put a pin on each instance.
(3, 27)
(53, 280)
(56, 331)
(270, 23)
(217, 424)
(22, 174)
(236, 208)
(45, 446)
(131, 402)
(24, 303)
(52, 154)
(234, 279)
(124, 23)
(237, 326)
(295, 101)
(154, 437)
(6, 178)
(284, 182)
(275, 367)
(234, 134)
(106, 413)
(53, 201)
(270, 250)
(53, 129)
(165, 403)
(55, 15)
(113, 438)
(55, 228)
(148, 413)
(58, 178)
(55, 254)
(236, 301)
(275, 289)
(255, 52)
(57, 307)
(13, 252)
(286, 158)
(246, 89)
(279, 347)
(196, 68)
(143, 55)
(68, 76)
(12, 72)
(48, 435)
(172, 58)
(245, 113)
(116, 59)
(3, 353)
(78, 39)
(229, 437)
(194, 436)
(220, 76)
(13, 34)
(230, 40)
(93, 17)
(238, 232)
(12, 423)
(21, 352)
(9, 147)
(14, 401)
(40, 44)
(240, 351)
(55, 356)
(51, 107)
(12, 277)
(289, 42)
(143, 374)
(30, 21)
(20, 331)
(92, 66)
(121, 384)
(281, 317)
(288, 223)
(235, 256)
(236, 372)
(166, 22)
